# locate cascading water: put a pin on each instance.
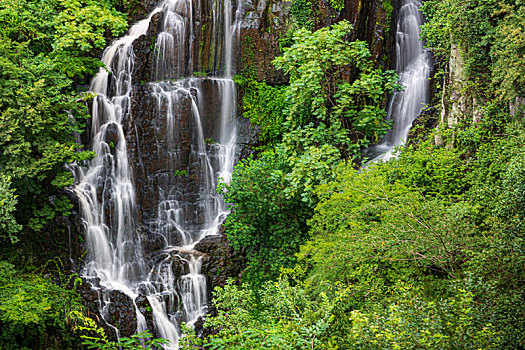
(188, 206)
(413, 65)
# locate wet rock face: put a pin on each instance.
(221, 261)
(119, 309)
(145, 309)
(373, 24)
(121, 313)
(427, 120)
(264, 23)
(136, 9)
(144, 51)
(163, 141)
(60, 242)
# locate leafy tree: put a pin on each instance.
(372, 232)
(436, 172)
(320, 64)
(412, 320)
(265, 222)
(277, 316)
(497, 178)
(323, 116)
(48, 48)
(45, 49)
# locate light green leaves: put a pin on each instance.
(320, 65)
(8, 225)
(80, 25)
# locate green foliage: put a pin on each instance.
(81, 24)
(281, 315)
(490, 36)
(388, 8)
(319, 119)
(318, 93)
(488, 168)
(302, 12)
(94, 337)
(181, 173)
(313, 167)
(264, 105)
(198, 74)
(337, 5)
(414, 321)
(264, 221)
(509, 45)
(32, 307)
(44, 51)
(428, 247)
(372, 231)
(64, 30)
(497, 189)
(8, 201)
(47, 49)
(278, 316)
(433, 171)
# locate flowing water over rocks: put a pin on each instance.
(414, 66)
(149, 196)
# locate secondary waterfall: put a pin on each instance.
(413, 64)
(182, 202)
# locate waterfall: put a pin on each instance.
(413, 65)
(188, 207)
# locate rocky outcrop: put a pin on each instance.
(459, 101)
(221, 261)
(427, 121)
(374, 22)
(118, 309)
(137, 9)
(265, 23)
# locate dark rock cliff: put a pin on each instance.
(264, 23)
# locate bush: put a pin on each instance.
(370, 231)
(277, 316)
(414, 321)
(35, 311)
(435, 172)
(264, 221)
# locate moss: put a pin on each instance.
(388, 8)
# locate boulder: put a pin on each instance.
(221, 261)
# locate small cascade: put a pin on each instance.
(414, 66)
(174, 45)
(193, 292)
(194, 147)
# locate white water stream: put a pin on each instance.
(106, 187)
(413, 65)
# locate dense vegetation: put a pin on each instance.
(45, 48)
(424, 251)
(48, 48)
